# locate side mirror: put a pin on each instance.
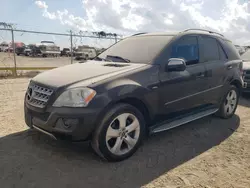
(175, 65)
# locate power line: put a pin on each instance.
(59, 34)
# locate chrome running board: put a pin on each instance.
(45, 132)
(175, 123)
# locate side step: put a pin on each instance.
(177, 122)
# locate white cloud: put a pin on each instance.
(230, 17)
(41, 4)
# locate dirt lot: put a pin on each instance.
(206, 153)
(6, 60)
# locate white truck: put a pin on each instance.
(4, 46)
(46, 48)
(85, 52)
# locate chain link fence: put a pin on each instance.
(23, 51)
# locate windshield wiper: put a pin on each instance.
(118, 57)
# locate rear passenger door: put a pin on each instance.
(214, 58)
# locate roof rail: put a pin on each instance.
(139, 34)
(204, 30)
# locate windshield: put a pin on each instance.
(246, 55)
(140, 49)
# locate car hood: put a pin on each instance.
(246, 65)
(89, 72)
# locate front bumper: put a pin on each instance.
(72, 124)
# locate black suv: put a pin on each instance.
(142, 85)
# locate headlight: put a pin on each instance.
(77, 97)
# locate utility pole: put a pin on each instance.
(9, 26)
(71, 47)
(14, 51)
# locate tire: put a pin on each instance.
(232, 97)
(115, 147)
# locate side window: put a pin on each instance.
(223, 55)
(187, 49)
(210, 49)
(230, 50)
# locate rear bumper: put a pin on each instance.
(73, 124)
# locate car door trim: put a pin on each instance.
(193, 94)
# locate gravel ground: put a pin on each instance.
(209, 152)
(6, 60)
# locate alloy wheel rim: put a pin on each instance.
(123, 134)
(230, 103)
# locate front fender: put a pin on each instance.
(120, 90)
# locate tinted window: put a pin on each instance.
(139, 49)
(230, 50)
(187, 49)
(210, 49)
(223, 55)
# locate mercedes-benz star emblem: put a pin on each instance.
(29, 93)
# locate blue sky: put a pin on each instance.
(27, 15)
(230, 17)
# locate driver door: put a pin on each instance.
(183, 90)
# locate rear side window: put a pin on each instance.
(210, 49)
(187, 49)
(223, 55)
(230, 50)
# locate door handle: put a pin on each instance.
(229, 67)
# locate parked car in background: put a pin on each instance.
(246, 70)
(48, 48)
(100, 50)
(240, 49)
(141, 85)
(65, 52)
(85, 52)
(9, 49)
(35, 50)
(3, 46)
(18, 46)
(20, 50)
(24, 50)
(45, 48)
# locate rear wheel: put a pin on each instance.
(229, 103)
(120, 133)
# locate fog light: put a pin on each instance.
(68, 123)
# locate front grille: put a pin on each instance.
(38, 96)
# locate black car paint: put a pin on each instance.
(159, 91)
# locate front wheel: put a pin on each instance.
(120, 133)
(229, 103)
